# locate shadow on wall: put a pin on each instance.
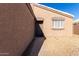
(76, 29)
(36, 44)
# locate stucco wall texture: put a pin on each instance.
(16, 28)
(47, 17)
(76, 29)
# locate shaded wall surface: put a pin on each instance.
(16, 28)
(76, 29)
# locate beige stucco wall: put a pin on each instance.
(47, 22)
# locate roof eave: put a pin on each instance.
(54, 9)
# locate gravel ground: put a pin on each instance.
(60, 46)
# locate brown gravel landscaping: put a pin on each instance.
(60, 46)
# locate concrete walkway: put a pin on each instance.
(34, 47)
(57, 46)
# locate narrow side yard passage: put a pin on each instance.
(34, 47)
(57, 46)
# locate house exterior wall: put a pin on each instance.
(76, 28)
(16, 28)
(47, 17)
